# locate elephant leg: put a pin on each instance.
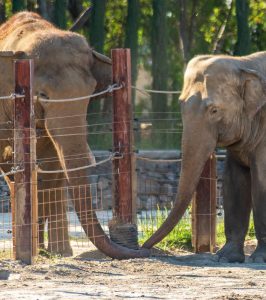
(237, 208)
(259, 210)
(58, 238)
(52, 202)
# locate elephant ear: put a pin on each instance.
(101, 70)
(252, 90)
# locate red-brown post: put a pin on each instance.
(204, 210)
(25, 159)
(123, 198)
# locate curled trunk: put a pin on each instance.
(74, 141)
(193, 162)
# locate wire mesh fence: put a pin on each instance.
(68, 214)
(157, 175)
(6, 239)
(60, 230)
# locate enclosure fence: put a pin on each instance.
(45, 212)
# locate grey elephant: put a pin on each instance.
(65, 67)
(223, 104)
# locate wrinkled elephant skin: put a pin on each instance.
(223, 104)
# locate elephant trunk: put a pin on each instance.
(87, 216)
(193, 162)
(66, 144)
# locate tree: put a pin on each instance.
(19, 5)
(75, 8)
(97, 35)
(31, 5)
(43, 9)
(97, 31)
(131, 39)
(60, 7)
(243, 34)
(186, 27)
(159, 63)
(2, 11)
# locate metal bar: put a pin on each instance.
(25, 157)
(204, 210)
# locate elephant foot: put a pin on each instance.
(231, 253)
(259, 255)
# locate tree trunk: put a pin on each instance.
(187, 24)
(131, 40)
(31, 5)
(97, 34)
(60, 13)
(159, 68)
(18, 5)
(75, 8)
(243, 33)
(97, 25)
(2, 11)
(218, 42)
(42, 9)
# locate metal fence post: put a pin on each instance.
(204, 210)
(25, 158)
(122, 227)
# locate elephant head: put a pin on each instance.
(220, 103)
(65, 67)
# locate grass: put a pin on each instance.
(181, 236)
(6, 254)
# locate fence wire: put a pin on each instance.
(62, 207)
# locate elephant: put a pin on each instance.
(64, 67)
(223, 105)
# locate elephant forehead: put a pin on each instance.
(218, 84)
(219, 81)
(192, 105)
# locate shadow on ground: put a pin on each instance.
(185, 258)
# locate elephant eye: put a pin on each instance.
(213, 110)
(43, 95)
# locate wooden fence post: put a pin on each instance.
(204, 210)
(25, 158)
(122, 227)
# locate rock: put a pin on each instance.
(103, 183)
(154, 175)
(165, 201)
(168, 189)
(7, 275)
(171, 176)
(151, 202)
(106, 201)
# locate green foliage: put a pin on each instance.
(181, 236)
(47, 254)
(60, 13)
(19, 5)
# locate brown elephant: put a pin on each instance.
(223, 104)
(64, 67)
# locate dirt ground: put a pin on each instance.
(90, 275)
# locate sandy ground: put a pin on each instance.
(90, 275)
